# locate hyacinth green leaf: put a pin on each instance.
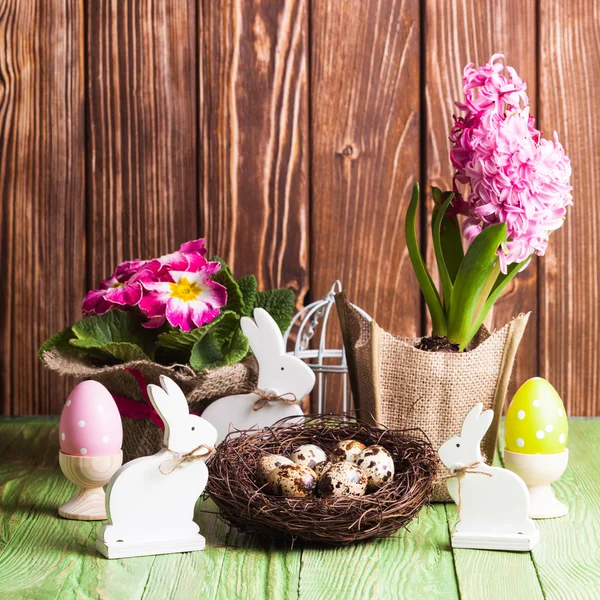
(471, 280)
(114, 327)
(450, 236)
(499, 286)
(223, 344)
(249, 288)
(445, 278)
(279, 304)
(426, 284)
(59, 341)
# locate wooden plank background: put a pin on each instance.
(288, 134)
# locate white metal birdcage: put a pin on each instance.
(324, 361)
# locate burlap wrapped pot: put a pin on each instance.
(141, 436)
(399, 386)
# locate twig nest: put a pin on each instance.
(342, 479)
(346, 450)
(292, 481)
(378, 465)
(308, 455)
(248, 505)
(269, 463)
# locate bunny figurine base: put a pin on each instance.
(493, 503)
(150, 501)
(282, 377)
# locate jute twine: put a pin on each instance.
(170, 465)
(265, 397)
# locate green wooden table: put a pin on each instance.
(43, 556)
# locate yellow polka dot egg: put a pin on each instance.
(536, 422)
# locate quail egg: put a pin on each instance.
(308, 455)
(267, 463)
(292, 481)
(347, 450)
(342, 479)
(321, 468)
(378, 465)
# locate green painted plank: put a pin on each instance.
(259, 570)
(495, 575)
(568, 555)
(195, 574)
(9, 431)
(408, 565)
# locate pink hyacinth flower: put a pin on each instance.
(186, 299)
(515, 175)
(122, 289)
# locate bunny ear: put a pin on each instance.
(469, 424)
(250, 330)
(269, 331)
(484, 422)
(169, 401)
(174, 392)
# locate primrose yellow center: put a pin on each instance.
(116, 284)
(185, 290)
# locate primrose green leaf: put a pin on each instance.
(235, 300)
(249, 288)
(60, 342)
(223, 344)
(426, 284)
(123, 351)
(476, 268)
(279, 304)
(115, 326)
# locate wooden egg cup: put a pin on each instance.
(538, 471)
(89, 474)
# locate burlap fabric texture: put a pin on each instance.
(399, 386)
(141, 436)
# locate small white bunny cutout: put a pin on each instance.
(283, 381)
(493, 503)
(150, 501)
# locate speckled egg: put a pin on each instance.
(536, 422)
(90, 423)
(378, 465)
(342, 479)
(267, 463)
(308, 455)
(292, 481)
(321, 468)
(347, 450)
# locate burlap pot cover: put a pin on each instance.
(399, 386)
(142, 436)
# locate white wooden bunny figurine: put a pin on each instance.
(493, 503)
(150, 501)
(279, 375)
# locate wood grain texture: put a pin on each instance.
(570, 272)
(365, 157)
(254, 131)
(42, 244)
(142, 130)
(457, 33)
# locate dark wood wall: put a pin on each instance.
(288, 133)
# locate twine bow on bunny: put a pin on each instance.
(168, 466)
(266, 396)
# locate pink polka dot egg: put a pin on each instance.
(90, 424)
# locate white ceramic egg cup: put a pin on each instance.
(538, 471)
